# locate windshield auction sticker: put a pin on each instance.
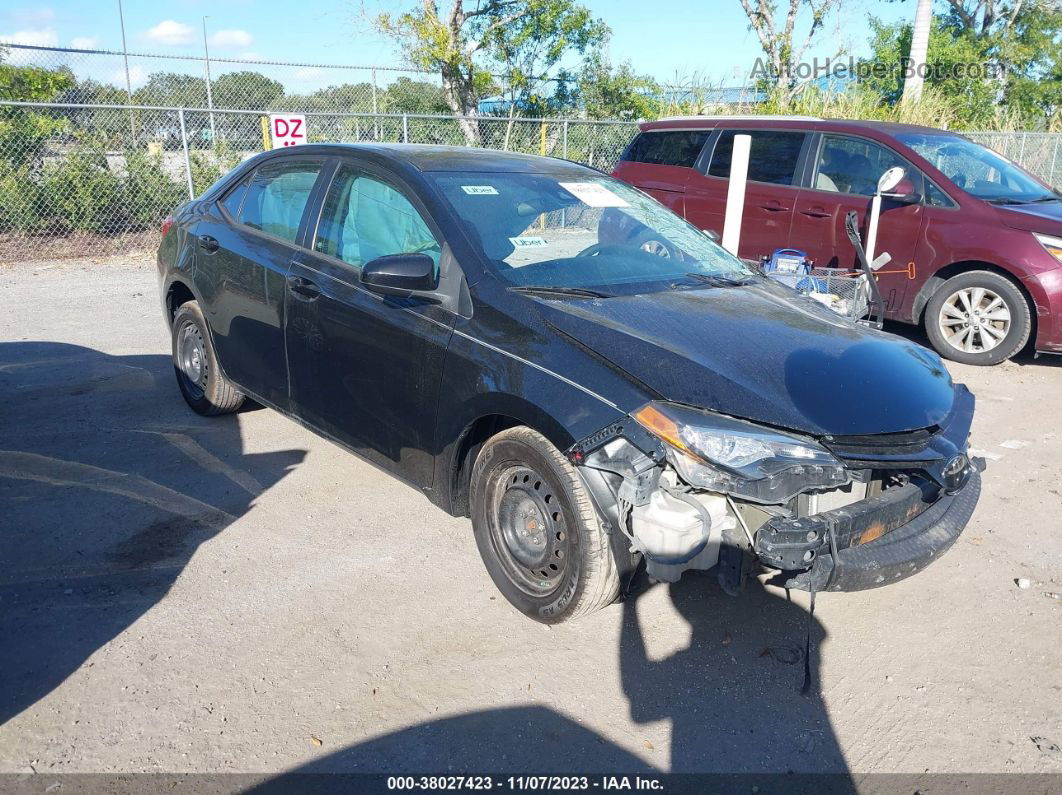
(480, 190)
(593, 194)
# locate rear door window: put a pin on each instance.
(670, 148)
(276, 197)
(773, 156)
(854, 165)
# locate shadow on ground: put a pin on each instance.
(731, 702)
(108, 484)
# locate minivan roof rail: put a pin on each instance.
(747, 117)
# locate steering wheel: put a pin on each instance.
(595, 249)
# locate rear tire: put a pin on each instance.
(204, 387)
(537, 530)
(978, 318)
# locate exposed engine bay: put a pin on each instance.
(690, 490)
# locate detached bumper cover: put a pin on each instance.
(873, 547)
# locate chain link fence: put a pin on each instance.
(93, 180)
(1036, 152)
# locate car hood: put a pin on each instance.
(763, 353)
(1045, 217)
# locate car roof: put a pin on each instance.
(431, 158)
(786, 122)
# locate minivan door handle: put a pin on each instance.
(774, 207)
(209, 244)
(303, 289)
(816, 212)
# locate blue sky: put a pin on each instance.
(671, 41)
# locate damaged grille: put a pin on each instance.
(905, 443)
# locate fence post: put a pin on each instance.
(1054, 159)
(375, 109)
(564, 139)
(187, 159)
(405, 128)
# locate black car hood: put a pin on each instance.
(762, 353)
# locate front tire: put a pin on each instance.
(204, 387)
(537, 531)
(979, 318)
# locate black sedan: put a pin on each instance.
(554, 354)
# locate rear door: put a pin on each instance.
(843, 177)
(244, 246)
(770, 194)
(660, 162)
(365, 369)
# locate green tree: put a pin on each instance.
(526, 37)
(406, 95)
(245, 91)
(23, 131)
(987, 57)
(776, 36)
(599, 90)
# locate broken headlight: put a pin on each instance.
(719, 453)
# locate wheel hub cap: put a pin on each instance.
(191, 355)
(974, 320)
(529, 531)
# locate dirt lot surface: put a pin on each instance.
(237, 594)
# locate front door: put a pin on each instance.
(770, 193)
(244, 245)
(844, 180)
(364, 368)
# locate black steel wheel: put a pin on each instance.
(537, 531)
(204, 387)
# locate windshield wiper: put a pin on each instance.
(719, 281)
(1003, 200)
(574, 292)
(1046, 199)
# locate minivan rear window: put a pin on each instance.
(772, 158)
(670, 148)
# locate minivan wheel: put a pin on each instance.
(204, 386)
(978, 317)
(537, 531)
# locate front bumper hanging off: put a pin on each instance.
(870, 543)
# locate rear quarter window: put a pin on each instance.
(671, 148)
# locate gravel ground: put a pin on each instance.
(237, 594)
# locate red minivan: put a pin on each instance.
(975, 241)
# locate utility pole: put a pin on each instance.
(128, 82)
(210, 98)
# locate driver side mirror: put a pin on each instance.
(399, 274)
(903, 191)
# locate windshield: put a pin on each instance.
(977, 170)
(587, 232)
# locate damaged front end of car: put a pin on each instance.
(692, 489)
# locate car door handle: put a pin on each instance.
(303, 289)
(816, 212)
(774, 207)
(209, 244)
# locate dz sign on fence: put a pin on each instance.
(287, 130)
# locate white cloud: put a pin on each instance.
(170, 33)
(33, 16)
(232, 38)
(45, 37)
(307, 74)
(137, 77)
(84, 42)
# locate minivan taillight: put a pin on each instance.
(167, 222)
